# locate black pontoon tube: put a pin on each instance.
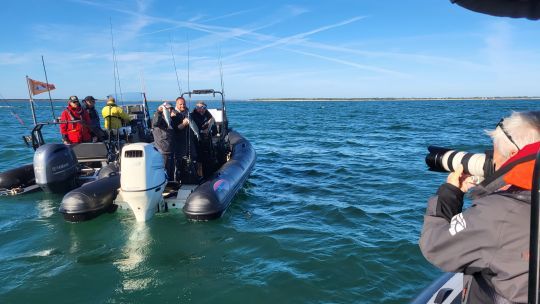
(91, 199)
(19, 177)
(211, 199)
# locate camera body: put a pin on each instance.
(441, 159)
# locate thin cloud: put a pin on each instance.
(353, 64)
(233, 14)
(296, 10)
(228, 33)
(293, 38)
(498, 49)
(430, 59)
(12, 59)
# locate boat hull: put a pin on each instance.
(444, 290)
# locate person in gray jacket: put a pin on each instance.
(489, 241)
(163, 133)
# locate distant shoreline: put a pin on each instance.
(397, 98)
(332, 99)
(65, 100)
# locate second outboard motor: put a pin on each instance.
(55, 168)
(142, 179)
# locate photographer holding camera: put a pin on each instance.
(489, 241)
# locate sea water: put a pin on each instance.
(331, 213)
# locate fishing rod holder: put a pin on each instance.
(35, 139)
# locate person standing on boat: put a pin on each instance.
(163, 133)
(203, 118)
(113, 115)
(95, 126)
(206, 125)
(489, 241)
(74, 123)
(185, 153)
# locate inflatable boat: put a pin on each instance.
(144, 187)
(59, 168)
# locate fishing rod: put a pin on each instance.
(114, 146)
(175, 70)
(11, 110)
(188, 47)
(115, 68)
(146, 111)
(189, 90)
(225, 120)
(48, 89)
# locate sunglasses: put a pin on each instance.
(500, 125)
(201, 107)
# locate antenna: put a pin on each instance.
(175, 70)
(221, 72)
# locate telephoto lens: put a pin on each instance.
(447, 160)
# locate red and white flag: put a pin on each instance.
(38, 87)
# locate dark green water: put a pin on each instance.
(331, 214)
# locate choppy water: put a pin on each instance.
(331, 214)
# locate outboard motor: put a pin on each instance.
(142, 179)
(55, 168)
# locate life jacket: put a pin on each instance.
(76, 132)
(516, 171)
(521, 172)
(113, 116)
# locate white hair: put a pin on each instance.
(522, 127)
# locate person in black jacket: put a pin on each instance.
(207, 128)
(203, 118)
(89, 103)
(185, 152)
(164, 136)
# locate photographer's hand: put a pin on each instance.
(461, 180)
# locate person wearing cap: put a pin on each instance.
(74, 123)
(163, 132)
(113, 115)
(205, 123)
(95, 126)
(203, 118)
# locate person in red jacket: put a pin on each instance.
(75, 123)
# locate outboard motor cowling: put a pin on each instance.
(55, 168)
(142, 179)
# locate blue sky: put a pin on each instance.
(338, 48)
